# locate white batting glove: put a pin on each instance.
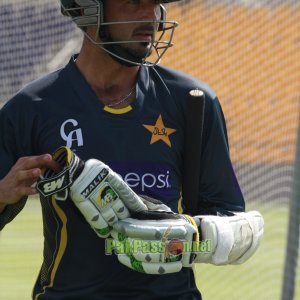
(163, 242)
(234, 239)
(99, 193)
(155, 242)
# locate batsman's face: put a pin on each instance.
(146, 11)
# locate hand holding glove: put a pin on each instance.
(98, 192)
(148, 236)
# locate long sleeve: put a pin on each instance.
(9, 135)
(219, 191)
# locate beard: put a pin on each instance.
(128, 54)
(124, 53)
(140, 51)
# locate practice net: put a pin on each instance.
(249, 52)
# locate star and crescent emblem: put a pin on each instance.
(160, 132)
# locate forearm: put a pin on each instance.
(10, 211)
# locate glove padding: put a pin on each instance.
(233, 239)
(164, 242)
(156, 242)
(99, 193)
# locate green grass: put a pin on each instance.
(260, 278)
(21, 253)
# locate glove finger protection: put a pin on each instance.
(98, 192)
(134, 254)
(233, 239)
(156, 242)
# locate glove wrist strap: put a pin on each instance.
(57, 183)
(193, 222)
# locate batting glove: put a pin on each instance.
(233, 239)
(163, 242)
(99, 193)
(156, 242)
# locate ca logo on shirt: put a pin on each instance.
(71, 134)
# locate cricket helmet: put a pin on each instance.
(91, 13)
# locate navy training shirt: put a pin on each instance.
(144, 144)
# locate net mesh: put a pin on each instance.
(32, 33)
(249, 52)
